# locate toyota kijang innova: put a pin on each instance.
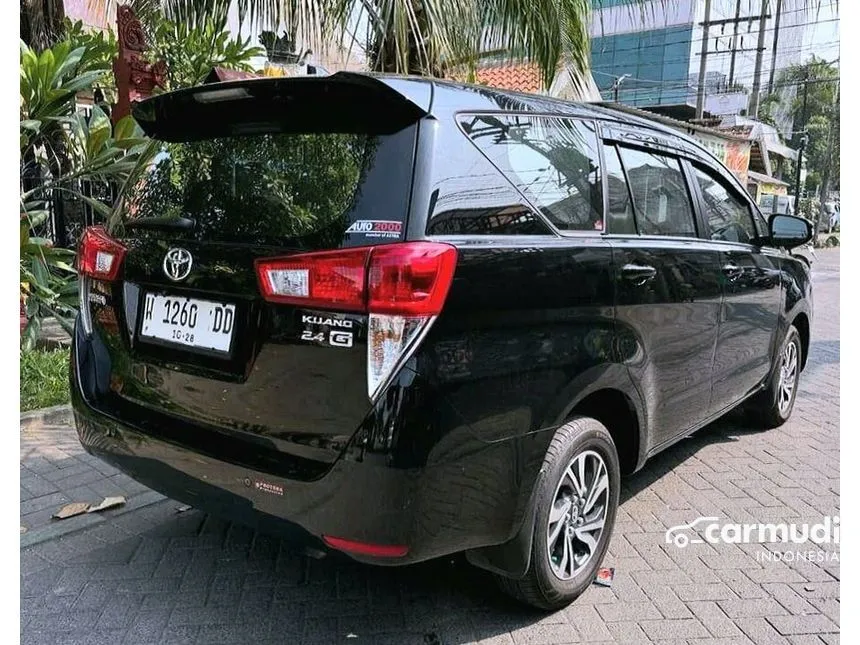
(401, 318)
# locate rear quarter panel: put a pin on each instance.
(523, 321)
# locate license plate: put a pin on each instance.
(188, 321)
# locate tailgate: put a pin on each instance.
(253, 170)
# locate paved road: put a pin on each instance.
(151, 575)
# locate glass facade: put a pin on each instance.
(658, 62)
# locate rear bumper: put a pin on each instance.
(465, 497)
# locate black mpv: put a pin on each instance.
(401, 318)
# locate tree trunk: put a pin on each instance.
(382, 57)
(42, 22)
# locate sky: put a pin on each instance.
(821, 39)
(824, 35)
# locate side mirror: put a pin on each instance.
(788, 231)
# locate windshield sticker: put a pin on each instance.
(376, 228)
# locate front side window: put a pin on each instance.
(661, 200)
(552, 161)
(728, 217)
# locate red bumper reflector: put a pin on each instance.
(362, 548)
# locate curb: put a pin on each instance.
(61, 528)
(54, 415)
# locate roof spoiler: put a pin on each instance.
(343, 102)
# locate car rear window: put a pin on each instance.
(306, 190)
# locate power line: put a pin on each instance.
(681, 59)
(693, 41)
(747, 20)
(692, 86)
(812, 47)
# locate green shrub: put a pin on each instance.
(44, 378)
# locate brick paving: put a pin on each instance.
(148, 574)
(56, 471)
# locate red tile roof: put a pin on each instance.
(522, 77)
(222, 74)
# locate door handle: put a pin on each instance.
(732, 271)
(638, 274)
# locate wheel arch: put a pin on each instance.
(612, 399)
(801, 322)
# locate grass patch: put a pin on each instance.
(44, 378)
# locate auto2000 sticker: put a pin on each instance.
(376, 228)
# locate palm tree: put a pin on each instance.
(41, 22)
(426, 37)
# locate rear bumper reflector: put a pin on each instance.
(362, 548)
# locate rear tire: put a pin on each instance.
(773, 406)
(579, 490)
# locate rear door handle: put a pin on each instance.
(732, 271)
(638, 274)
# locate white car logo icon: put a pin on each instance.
(675, 536)
(177, 264)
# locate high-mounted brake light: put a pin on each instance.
(99, 255)
(402, 286)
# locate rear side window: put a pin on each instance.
(468, 196)
(728, 217)
(660, 196)
(552, 161)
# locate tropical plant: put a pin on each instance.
(815, 115)
(100, 46)
(60, 149)
(192, 48)
(426, 37)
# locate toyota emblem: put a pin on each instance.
(177, 264)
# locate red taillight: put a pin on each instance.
(99, 255)
(328, 279)
(402, 286)
(411, 278)
(363, 548)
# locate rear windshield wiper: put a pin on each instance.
(179, 223)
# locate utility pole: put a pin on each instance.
(703, 63)
(827, 174)
(775, 45)
(805, 112)
(734, 43)
(797, 169)
(756, 89)
(616, 85)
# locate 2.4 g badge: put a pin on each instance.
(318, 329)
